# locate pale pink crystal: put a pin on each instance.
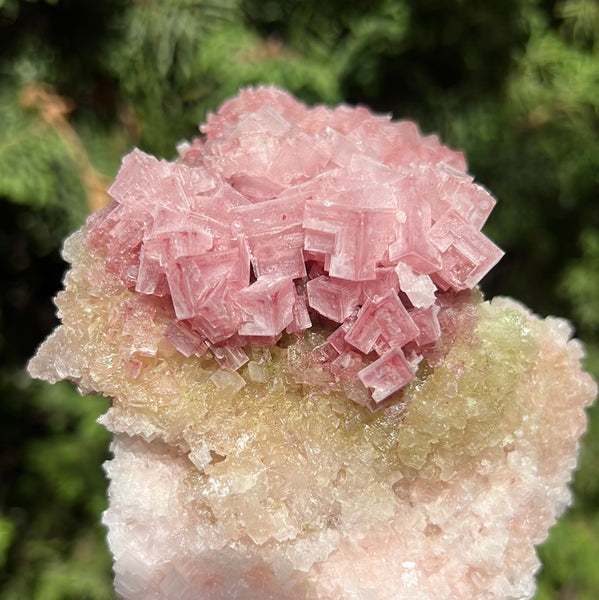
(332, 200)
(334, 298)
(267, 306)
(387, 374)
(383, 322)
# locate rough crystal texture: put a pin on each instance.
(261, 483)
(231, 304)
(362, 213)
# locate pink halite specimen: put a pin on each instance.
(357, 215)
(233, 302)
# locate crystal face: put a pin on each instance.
(310, 398)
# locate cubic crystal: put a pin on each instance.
(309, 399)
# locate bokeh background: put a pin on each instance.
(514, 83)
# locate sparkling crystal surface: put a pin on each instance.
(249, 307)
(317, 200)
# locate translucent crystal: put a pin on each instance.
(333, 200)
(309, 400)
(253, 483)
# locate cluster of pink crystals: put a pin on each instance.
(281, 213)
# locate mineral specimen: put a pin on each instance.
(310, 399)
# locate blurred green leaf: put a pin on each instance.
(7, 535)
(35, 167)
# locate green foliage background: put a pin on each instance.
(514, 83)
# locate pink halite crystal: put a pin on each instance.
(280, 197)
(232, 302)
